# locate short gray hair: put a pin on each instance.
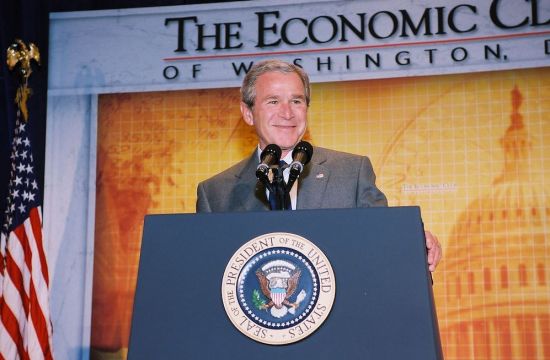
(248, 88)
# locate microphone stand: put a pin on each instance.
(277, 187)
(279, 191)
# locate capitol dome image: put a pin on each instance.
(497, 294)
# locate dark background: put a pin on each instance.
(28, 20)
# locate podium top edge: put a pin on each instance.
(391, 208)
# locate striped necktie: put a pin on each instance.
(272, 197)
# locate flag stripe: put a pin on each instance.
(36, 223)
(15, 339)
(12, 310)
(38, 275)
(13, 283)
(2, 265)
(38, 299)
(15, 296)
(12, 300)
(38, 343)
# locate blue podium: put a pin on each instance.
(383, 307)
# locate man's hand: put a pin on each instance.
(434, 250)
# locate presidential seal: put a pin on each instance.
(278, 288)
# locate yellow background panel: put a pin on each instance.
(476, 161)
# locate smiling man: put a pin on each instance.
(275, 97)
(276, 104)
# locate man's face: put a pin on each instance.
(280, 110)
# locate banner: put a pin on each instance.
(212, 46)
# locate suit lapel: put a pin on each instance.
(249, 184)
(312, 183)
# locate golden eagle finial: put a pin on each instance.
(19, 57)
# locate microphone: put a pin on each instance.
(270, 156)
(301, 155)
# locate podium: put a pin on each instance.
(383, 307)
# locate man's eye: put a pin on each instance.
(272, 102)
(297, 101)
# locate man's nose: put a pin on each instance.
(285, 111)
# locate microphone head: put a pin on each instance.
(303, 150)
(269, 156)
(274, 151)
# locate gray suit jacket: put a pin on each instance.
(332, 179)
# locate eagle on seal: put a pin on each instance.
(278, 289)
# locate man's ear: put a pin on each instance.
(247, 114)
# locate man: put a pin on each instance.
(275, 97)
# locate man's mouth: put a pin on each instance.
(284, 126)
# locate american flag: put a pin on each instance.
(25, 326)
